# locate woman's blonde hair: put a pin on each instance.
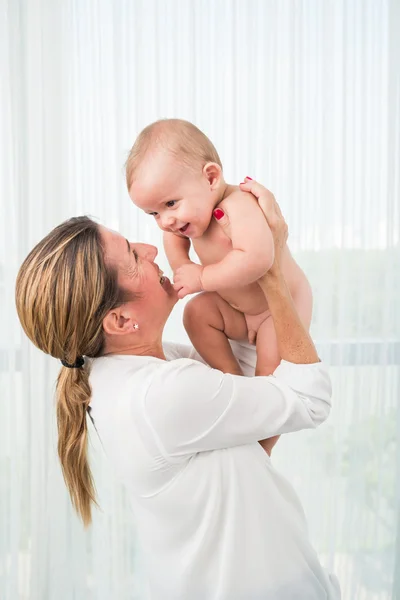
(64, 289)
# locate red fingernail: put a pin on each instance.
(247, 177)
(218, 213)
(242, 183)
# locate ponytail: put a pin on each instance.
(73, 397)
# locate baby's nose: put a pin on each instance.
(167, 221)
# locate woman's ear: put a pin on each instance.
(213, 172)
(119, 322)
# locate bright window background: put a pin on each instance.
(301, 94)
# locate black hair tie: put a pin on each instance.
(78, 364)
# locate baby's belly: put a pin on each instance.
(248, 299)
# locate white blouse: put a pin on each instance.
(215, 520)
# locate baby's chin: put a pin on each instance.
(191, 231)
(199, 230)
(193, 235)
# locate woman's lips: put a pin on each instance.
(166, 284)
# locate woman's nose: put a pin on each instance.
(149, 252)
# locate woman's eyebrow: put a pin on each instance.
(135, 255)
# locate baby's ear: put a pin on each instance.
(212, 172)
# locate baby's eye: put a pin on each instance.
(170, 203)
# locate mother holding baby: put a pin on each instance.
(215, 520)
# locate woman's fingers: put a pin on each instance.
(270, 208)
(222, 220)
(265, 198)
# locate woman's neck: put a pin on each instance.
(138, 348)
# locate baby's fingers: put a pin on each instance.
(182, 293)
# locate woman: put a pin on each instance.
(215, 520)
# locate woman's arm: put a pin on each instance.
(294, 342)
(192, 408)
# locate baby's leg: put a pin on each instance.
(209, 322)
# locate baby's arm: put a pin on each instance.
(253, 246)
(177, 249)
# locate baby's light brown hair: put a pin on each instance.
(180, 138)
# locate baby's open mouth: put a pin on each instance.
(184, 228)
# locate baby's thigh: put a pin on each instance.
(209, 309)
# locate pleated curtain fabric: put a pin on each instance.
(303, 95)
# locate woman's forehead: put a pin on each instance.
(116, 247)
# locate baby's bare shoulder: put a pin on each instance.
(237, 203)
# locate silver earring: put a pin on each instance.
(135, 326)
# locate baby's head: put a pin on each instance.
(174, 173)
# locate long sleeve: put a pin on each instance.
(192, 408)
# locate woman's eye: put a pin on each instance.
(154, 214)
(170, 203)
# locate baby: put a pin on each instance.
(174, 173)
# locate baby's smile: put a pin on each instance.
(184, 228)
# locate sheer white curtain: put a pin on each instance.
(305, 96)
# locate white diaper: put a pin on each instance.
(246, 355)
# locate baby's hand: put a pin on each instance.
(187, 279)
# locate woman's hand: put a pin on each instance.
(272, 212)
(269, 443)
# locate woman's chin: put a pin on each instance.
(169, 289)
(166, 284)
